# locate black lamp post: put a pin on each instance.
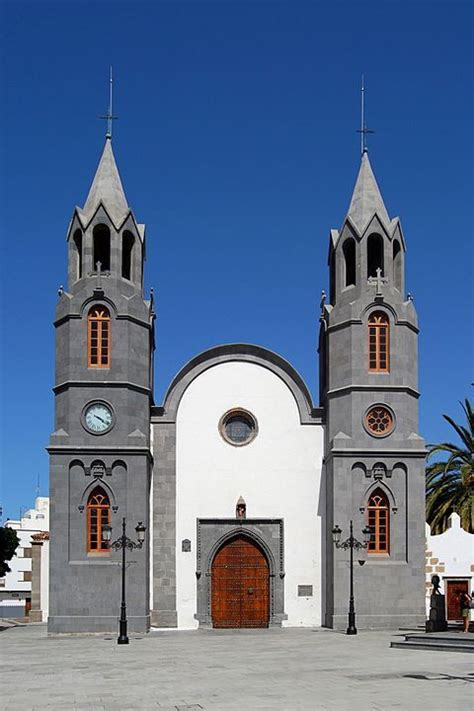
(351, 543)
(122, 544)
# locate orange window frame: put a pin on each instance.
(98, 514)
(378, 518)
(379, 343)
(98, 338)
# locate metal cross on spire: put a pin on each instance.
(109, 117)
(363, 130)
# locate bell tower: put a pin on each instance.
(374, 456)
(100, 458)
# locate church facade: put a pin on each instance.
(238, 477)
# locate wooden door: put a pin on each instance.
(240, 585)
(453, 608)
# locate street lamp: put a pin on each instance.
(351, 543)
(122, 544)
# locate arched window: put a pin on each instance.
(379, 342)
(101, 239)
(77, 238)
(349, 251)
(98, 514)
(374, 255)
(397, 265)
(332, 278)
(98, 337)
(127, 251)
(379, 521)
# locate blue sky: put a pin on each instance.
(237, 145)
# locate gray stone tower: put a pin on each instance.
(374, 456)
(100, 448)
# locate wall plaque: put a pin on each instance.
(305, 591)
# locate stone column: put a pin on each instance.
(36, 613)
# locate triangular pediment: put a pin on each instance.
(101, 213)
(75, 223)
(375, 224)
(397, 232)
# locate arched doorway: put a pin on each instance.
(240, 578)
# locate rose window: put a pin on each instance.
(379, 421)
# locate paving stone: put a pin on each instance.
(269, 670)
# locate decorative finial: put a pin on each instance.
(109, 117)
(61, 290)
(322, 300)
(363, 130)
(410, 296)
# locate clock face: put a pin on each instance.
(98, 418)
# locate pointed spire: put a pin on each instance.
(366, 198)
(107, 188)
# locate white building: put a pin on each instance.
(450, 555)
(16, 586)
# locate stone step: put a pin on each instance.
(441, 642)
(459, 638)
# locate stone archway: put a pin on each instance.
(266, 534)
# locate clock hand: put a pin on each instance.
(101, 419)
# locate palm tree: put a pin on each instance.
(450, 483)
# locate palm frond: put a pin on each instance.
(464, 435)
(450, 482)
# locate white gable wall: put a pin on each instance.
(449, 555)
(278, 475)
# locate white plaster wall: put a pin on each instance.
(278, 474)
(45, 580)
(19, 564)
(452, 555)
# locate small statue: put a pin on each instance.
(241, 508)
(436, 583)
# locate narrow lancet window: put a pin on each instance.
(379, 521)
(349, 251)
(374, 255)
(78, 247)
(101, 252)
(379, 342)
(98, 515)
(98, 337)
(127, 253)
(332, 278)
(397, 265)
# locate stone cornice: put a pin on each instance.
(88, 449)
(119, 317)
(94, 383)
(374, 453)
(358, 322)
(374, 388)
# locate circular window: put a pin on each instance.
(238, 427)
(379, 421)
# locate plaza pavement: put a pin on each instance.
(235, 670)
